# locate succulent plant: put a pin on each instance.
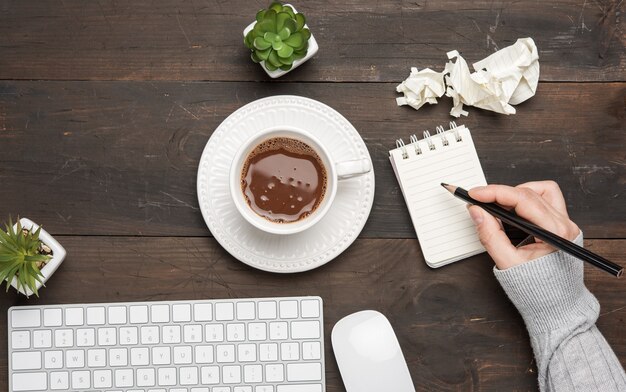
(21, 256)
(279, 37)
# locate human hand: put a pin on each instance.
(539, 202)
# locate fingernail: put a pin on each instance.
(478, 188)
(476, 215)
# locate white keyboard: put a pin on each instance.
(239, 345)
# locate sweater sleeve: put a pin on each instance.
(560, 315)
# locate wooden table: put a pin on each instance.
(105, 107)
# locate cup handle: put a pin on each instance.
(354, 168)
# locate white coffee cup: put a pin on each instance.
(335, 172)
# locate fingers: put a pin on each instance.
(494, 239)
(527, 203)
(550, 192)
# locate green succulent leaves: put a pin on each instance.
(278, 38)
(19, 255)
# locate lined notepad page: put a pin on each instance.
(444, 228)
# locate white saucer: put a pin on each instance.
(284, 253)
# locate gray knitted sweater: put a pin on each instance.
(560, 314)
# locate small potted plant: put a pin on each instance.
(279, 39)
(28, 256)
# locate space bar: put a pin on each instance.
(300, 388)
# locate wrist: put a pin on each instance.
(549, 291)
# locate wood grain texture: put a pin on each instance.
(120, 158)
(360, 40)
(457, 329)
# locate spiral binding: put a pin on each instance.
(413, 140)
(400, 144)
(428, 138)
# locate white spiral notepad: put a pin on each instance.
(444, 228)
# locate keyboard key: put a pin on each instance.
(129, 335)
(305, 330)
(63, 338)
(74, 317)
(102, 379)
(203, 312)
(42, 338)
(149, 335)
(146, 377)
(224, 311)
(225, 353)
(182, 355)
(267, 310)
(167, 377)
(96, 357)
(214, 333)
(118, 357)
(299, 388)
(238, 389)
(52, 317)
(268, 352)
(59, 380)
(204, 354)
(20, 339)
(160, 313)
(29, 381)
(289, 351)
(124, 378)
(107, 337)
(26, 360)
(192, 333)
(311, 350)
(235, 332)
(161, 356)
(85, 337)
(53, 359)
(289, 309)
(245, 311)
(210, 375)
(275, 373)
(95, 315)
(231, 374)
(138, 314)
(310, 308)
(181, 313)
(264, 388)
(81, 379)
(188, 375)
(74, 359)
(139, 356)
(304, 372)
(252, 373)
(171, 334)
(117, 315)
(278, 330)
(25, 318)
(257, 331)
(246, 353)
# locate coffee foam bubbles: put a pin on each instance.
(292, 145)
(283, 212)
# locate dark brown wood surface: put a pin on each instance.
(105, 108)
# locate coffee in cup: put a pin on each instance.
(283, 180)
(264, 185)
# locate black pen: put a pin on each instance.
(537, 232)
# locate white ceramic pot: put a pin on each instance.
(313, 48)
(58, 255)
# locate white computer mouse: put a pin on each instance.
(368, 354)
